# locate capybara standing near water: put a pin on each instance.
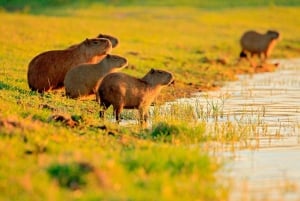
(124, 91)
(260, 44)
(47, 70)
(84, 79)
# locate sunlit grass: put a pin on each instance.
(165, 161)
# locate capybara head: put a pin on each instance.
(114, 41)
(99, 45)
(273, 34)
(116, 61)
(154, 77)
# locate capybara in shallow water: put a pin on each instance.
(256, 43)
(47, 70)
(124, 91)
(114, 41)
(84, 79)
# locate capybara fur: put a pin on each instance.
(114, 41)
(84, 79)
(124, 91)
(258, 44)
(47, 70)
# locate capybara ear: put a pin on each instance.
(152, 70)
(87, 41)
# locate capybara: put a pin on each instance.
(84, 79)
(114, 41)
(47, 70)
(124, 91)
(256, 43)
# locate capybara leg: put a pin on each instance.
(103, 108)
(146, 115)
(243, 54)
(143, 116)
(118, 111)
(264, 57)
(251, 60)
(102, 114)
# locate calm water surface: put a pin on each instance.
(269, 170)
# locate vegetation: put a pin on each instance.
(54, 148)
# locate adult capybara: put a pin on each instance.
(124, 91)
(84, 79)
(47, 70)
(260, 44)
(114, 41)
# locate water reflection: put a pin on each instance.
(271, 103)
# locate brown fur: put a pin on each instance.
(125, 91)
(47, 70)
(114, 41)
(84, 79)
(258, 44)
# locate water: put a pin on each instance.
(271, 103)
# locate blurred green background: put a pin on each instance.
(37, 5)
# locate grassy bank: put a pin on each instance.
(43, 159)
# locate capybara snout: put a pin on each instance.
(155, 77)
(117, 61)
(273, 34)
(103, 44)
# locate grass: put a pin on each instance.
(45, 159)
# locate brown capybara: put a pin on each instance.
(258, 44)
(124, 91)
(114, 41)
(84, 79)
(47, 70)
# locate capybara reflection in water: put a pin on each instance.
(124, 91)
(47, 70)
(84, 79)
(255, 43)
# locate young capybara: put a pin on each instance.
(258, 44)
(47, 70)
(84, 79)
(114, 41)
(124, 91)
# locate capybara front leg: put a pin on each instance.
(143, 116)
(103, 108)
(118, 111)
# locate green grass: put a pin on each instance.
(38, 6)
(42, 159)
